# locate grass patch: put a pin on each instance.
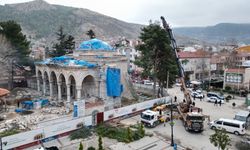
(119, 133)
(81, 133)
(9, 132)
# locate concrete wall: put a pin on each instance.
(67, 124)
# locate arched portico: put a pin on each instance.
(88, 87)
(53, 85)
(45, 83)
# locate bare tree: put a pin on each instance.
(6, 59)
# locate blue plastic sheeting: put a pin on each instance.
(95, 44)
(43, 102)
(113, 82)
(27, 105)
(67, 61)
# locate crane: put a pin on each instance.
(192, 116)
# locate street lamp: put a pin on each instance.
(172, 123)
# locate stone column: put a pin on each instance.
(44, 87)
(38, 84)
(59, 84)
(68, 92)
(78, 93)
(51, 90)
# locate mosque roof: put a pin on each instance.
(95, 44)
(67, 61)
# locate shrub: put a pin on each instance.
(91, 148)
(228, 88)
(120, 134)
(81, 133)
(9, 132)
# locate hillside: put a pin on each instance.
(220, 33)
(40, 19)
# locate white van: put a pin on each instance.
(233, 126)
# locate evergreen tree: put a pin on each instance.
(20, 45)
(81, 146)
(220, 139)
(100, 147)
(157, 56)
(65, 44)
(91, 34)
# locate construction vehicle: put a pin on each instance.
(192, 117)
(151, 118)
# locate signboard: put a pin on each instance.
(234, 77)
(79, 109)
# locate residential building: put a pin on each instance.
(195, 64)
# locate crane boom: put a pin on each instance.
(181, 71)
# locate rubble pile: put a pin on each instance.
(55, 110)
(21, 122)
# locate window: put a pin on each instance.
(219, 122)
(231, 124)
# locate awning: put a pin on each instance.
(4, 92)
(196, 82)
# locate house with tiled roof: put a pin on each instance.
(195, 64)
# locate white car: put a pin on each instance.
(213, 99)
(197, 95)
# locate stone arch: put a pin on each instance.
(88, 87)
(46, 81)
(53, 80)
(72, 83)
(63, 86)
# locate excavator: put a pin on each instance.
(192, 117)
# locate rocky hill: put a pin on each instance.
(220, 33)
(40, 19)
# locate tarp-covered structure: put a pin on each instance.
(113, 82)
(67, 61)
(95, 44)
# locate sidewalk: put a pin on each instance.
(146, 143)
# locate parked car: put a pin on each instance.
(213, 99)
(197, 95)
(148, 82)
(243, 116)
(233, 126)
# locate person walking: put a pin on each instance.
(215, 102)
(200, 98)
(193, 103)
(220, 102)
(175, 99)
(194, 97)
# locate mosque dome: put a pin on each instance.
(95, 44)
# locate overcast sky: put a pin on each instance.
(177, 12)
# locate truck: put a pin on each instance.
(193, 119)
(243, 116)
(152, 118)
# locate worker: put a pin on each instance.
(175, 99)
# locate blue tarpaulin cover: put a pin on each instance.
(113, 82)
(95, 44)
(66, 61)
